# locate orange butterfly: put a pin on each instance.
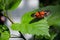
(41, 14)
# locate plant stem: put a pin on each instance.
(34, 37)
(22, 35)
(9, 19)
(13, 23)
(5, 11)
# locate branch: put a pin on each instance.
(9, 19)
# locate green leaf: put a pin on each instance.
(53, 36)
(5, 35)
(9, 4)
(54, 16)
(14, 4)
(4, 32)
(16, 26)
(38, 28)
(26, 18)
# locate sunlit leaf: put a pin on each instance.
(16, 26)
(37, 28)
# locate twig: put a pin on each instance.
(22, 36)
(9, 19)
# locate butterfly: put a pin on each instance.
(40, 14)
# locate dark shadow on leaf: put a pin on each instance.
(35, 20)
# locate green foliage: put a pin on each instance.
(4, 32)
(9, 4)
(53, 19)
(39, 28)
(54, 16)
(14, 4)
